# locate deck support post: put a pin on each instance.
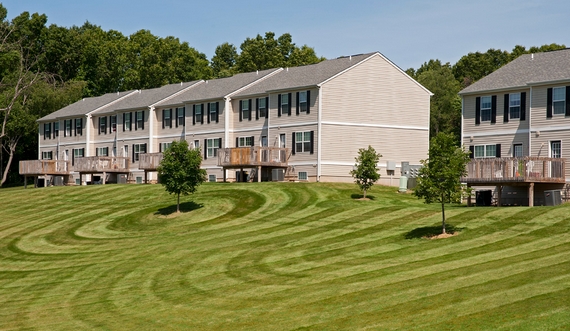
(241, 179)
(259, 174)
(146, 177)
(36, 182)
(104, 177)
(499, 194)
(224, 174)
(25, 181)
(469, 203)
(531, 195)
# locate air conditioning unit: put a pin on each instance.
(277, 175)
(122, 179)
(58, 181)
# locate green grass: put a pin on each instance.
(276, 256)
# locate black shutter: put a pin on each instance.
(50, 130)
(494, 109)
(96, 151)
(237, 141)
(506, 109)
(133, 153)
(549, 103)
(75, 127)
(142, 123)
(240, 110)
(279, 105)
(478, 110)
(498, 150)
(203, 111)
(124, 114)
(256, 108)
(471, 151)
(208, 111)
(73, 156)
(567, 101)
(312, 141)
(159, 147)
(131, 122)
(252, 140)
(220, 142)
(99, 127)
(297, 104)
(249, 104)
(217, 111)
(205, 149)
(308, 102)
(289, 104)
(523, 106)
(193, 114)
(163, 117)
(81, 128)
(184, 116)
(293, 141)
(176, 117)
(266, 107)
(107, 124)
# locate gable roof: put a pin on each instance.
(149, 97)
(85, 106)
(527, 69)
(218, 88)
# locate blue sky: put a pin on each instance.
(409, 32)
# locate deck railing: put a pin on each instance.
(253, 156)
(516, 169)
(150, 161)
(95, 164)
(44, 167)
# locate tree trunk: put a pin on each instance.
(364, 191)
(11, 149)
(442, 213)
(178, 204)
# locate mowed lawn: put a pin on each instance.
(275, 256)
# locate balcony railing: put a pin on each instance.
(516, 169)
(44, 167)
(253, 156)
(150, 161)
(98, 164)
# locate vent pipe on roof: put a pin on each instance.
(117, 92)
(287, 68)
(532, 56)
(257, 72)
(350, 58)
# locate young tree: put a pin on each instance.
(365, 172)
(180, 171)
(439, 178)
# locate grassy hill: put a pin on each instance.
(275, 256)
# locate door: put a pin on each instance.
(282, 140)
(555, 153)
(263, 141)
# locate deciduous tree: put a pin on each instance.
(365, 170)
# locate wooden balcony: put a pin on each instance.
(44, 167)
(256, 156)
(150, 161)
(528, 169)
(101, 164)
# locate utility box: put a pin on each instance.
(58, 181)
(405, 168)
(277, 175)
(390, 165)
(122, 179)
(552, 198)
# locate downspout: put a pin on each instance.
(319, 132)
(226, 121)
(462, 119)
(88, 135)
(39, 141)
(530, 123)
(151, 129)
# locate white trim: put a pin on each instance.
(247, 130)
(211, 167)
(105, 141)
(351, 164)
(48, 146)
(227, 102)
(492, 91)
(498, 133)
(551, 128)
(292, 125)
(319, 132)
(88, 120)
(202, 132)
(405, 127)
(461, 135)
(151, 128)
(529, 121)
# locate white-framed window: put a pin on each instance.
(197, 144)
(282, 140)
(47, 131)
(167, 118)
(303, 101)
(164, 146)
(285, 105)
(245, 109)
(77, 153)
(127, 122)
(180, 114)
(113, 124)
(212, 178)
(103, 125)
(138, 149)
(213, 111)
(67, 125)
(556, 149)
(79, 126)
(485, 108)
(102, 151)
(139, 180)
(245, 141)
(47, 155)
(302, 142)
(139, 124)
(264, 141)
(262, 103)
(518, 150)
(56, 128)
(515, 105)
(559, 100)
(302, 175)
(482, 151)
(198, 113)
(213, 146)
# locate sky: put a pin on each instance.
(408, 32)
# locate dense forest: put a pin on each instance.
(44, 68)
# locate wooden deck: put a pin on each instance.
(102, 164)
(244, 157)
(44, 167)
(150, 161)
(528, 169)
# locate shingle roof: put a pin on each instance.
(146, 98)
(85, 106)
(217, 88)
(525, 70)
(309, 75)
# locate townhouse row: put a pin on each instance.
(317, 115)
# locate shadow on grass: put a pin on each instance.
(184, 208)
(360, 196)
(431, 231)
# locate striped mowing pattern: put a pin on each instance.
(275, 256)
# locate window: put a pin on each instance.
(212, 178)
(180, 116)
(47, 155)
(264, 141)
(77, 153)
(102, 151)
(137, 150)
(140, 120)
(245, 141)
(67, 128)
(303, 101)
(515, 105)
(198, 118)
(164, 146)
(196, 143)
(166, 118)
(213, 111)
(47, 131)
(113, 120)
(79, 126)
(302, 175)
(103, 125)
(482, 151)
(212, 147)
(245, 111)
(485, 109)
(556, 149)
(517, 150)
(282, 140)
(302, 142)
(284, 104)
(262, 105)
(56, 129)
(558, 100)
(127, 126)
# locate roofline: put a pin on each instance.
(291, 88)
(548, 82)
(112, 102)
(253, 83)
(177, 93)
(495, 90)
